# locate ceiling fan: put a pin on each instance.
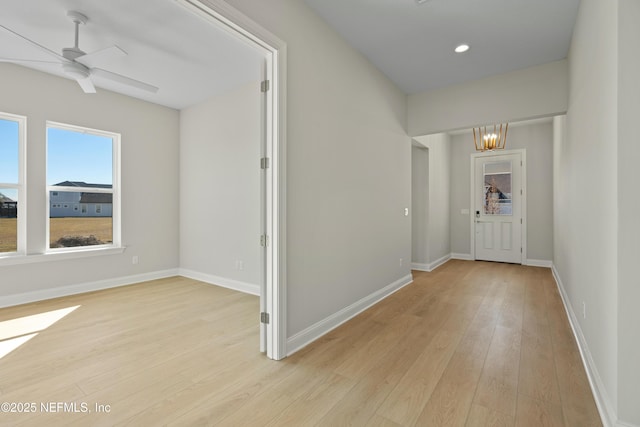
(77, 64)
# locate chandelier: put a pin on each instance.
(489, 141)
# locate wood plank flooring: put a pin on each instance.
(472, 343)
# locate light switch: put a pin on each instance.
(464, 211)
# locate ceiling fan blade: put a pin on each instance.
(90, 59)
(60, 58)
(98, 72)
(87, 85)
(27, 61)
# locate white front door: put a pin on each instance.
(498, 195)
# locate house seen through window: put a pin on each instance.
(82, 186)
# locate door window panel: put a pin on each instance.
(497, 188)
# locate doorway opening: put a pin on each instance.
(419, 207)
(272, 293)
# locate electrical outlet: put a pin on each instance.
(584, 310)
(134, 259)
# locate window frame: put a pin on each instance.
(115, 189)
(20, 186)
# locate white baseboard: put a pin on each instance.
(539, 263)
(530, 262)
(437, 263)
(431, 266)
(63, 291)
(315, 331)
(420, 267)
(464, 257)
(607, 412)
(236, 285)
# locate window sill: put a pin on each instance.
(60, 256)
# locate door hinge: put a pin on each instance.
(521, 192)
(264, 163)
(264, 86)
(520, 220)
(520, 250)
(520, 162)
(264, 240)
(264, 318)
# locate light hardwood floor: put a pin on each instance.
(472, 343)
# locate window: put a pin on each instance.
(12, 191)
(83, 170)
(497, 188)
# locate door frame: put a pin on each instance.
(472, 173)
(226, 17)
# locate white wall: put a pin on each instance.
(517, 95)
(348, 168)
(586, 207)
(439, 215)
(419, 206)
(220, 186)
(149, 178)
(537, 138)
(628, 208)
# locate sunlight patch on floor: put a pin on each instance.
(16, 332)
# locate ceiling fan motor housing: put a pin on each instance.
(71, 53)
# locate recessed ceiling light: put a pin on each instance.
(461, 48)
(421, 1)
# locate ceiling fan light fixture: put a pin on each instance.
(75, 71)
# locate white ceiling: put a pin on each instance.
(191, 60)
(413, 43)
(188, 58)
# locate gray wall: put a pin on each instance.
(348, 168)
(586, 202)
(518, 95)
(149, 178)
(536, 138)
(220, 186)
(596, 201)
(628, 208)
